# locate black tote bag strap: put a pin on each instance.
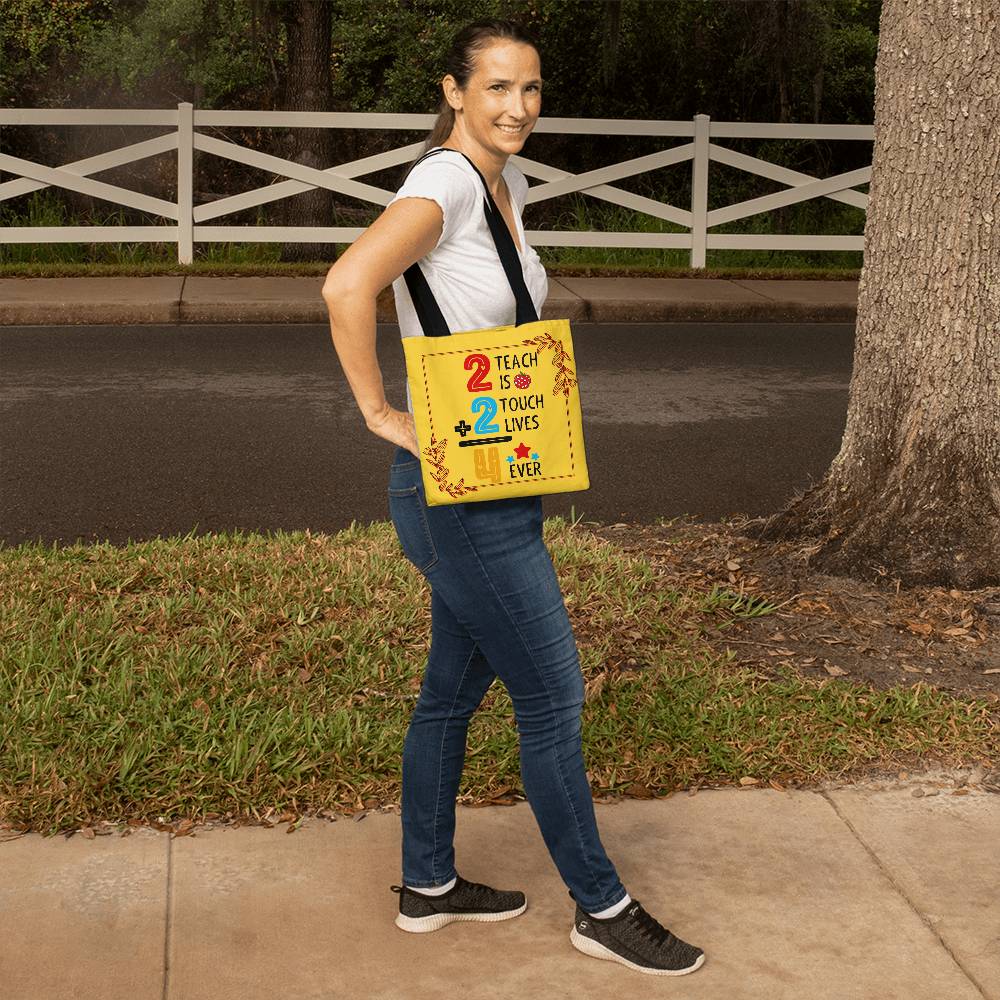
(425, 305)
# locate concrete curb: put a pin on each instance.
(177, 299)
(718, 312)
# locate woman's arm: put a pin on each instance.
(406, 231)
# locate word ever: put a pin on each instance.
(524, 470)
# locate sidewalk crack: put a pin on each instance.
(169, 917)
(899, 889)
(752, 291)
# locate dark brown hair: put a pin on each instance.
(460, 62)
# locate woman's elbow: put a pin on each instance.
(336, 284)
(340, 288)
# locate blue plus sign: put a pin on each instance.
(463, 428)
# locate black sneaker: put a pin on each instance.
(463, 901)
(635, 939)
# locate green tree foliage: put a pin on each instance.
(38, 41)
(171, 50)
(632, 59)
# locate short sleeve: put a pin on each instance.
(452, 187)
(518, 188)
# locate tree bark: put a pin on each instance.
(308, 88)
(915, 489)
(610, 42)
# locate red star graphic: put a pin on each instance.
(522, 451)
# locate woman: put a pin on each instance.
(496, 606)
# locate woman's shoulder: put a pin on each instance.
(444, 176)
(442, 159)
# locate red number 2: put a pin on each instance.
(482, 365)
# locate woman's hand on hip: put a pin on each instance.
(395, 426)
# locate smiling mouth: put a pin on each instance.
(510, 130)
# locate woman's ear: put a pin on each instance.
(451, 92)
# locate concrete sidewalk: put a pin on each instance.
(884, 891)
(192, 299)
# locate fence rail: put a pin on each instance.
(189, 220)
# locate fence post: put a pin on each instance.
(699, 191)
(185, 183)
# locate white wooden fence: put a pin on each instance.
(189, 221)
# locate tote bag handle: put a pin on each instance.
(425, 305)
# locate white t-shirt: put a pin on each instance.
(464, 270)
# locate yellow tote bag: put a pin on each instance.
(497, 410)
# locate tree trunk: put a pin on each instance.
(610, 42)
(915, 489)
(785, 42)
(308, 88)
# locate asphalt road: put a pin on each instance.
(117, 433)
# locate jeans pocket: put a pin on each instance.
(406, 508)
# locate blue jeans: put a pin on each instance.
(496, 611)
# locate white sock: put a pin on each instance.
(613, 911)
(437, 890)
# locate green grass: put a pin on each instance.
(233, 673)
(45, 208)
(68, 269)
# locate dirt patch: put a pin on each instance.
(874, 632)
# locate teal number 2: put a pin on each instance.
(489, 407)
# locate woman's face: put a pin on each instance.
(505, 89)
